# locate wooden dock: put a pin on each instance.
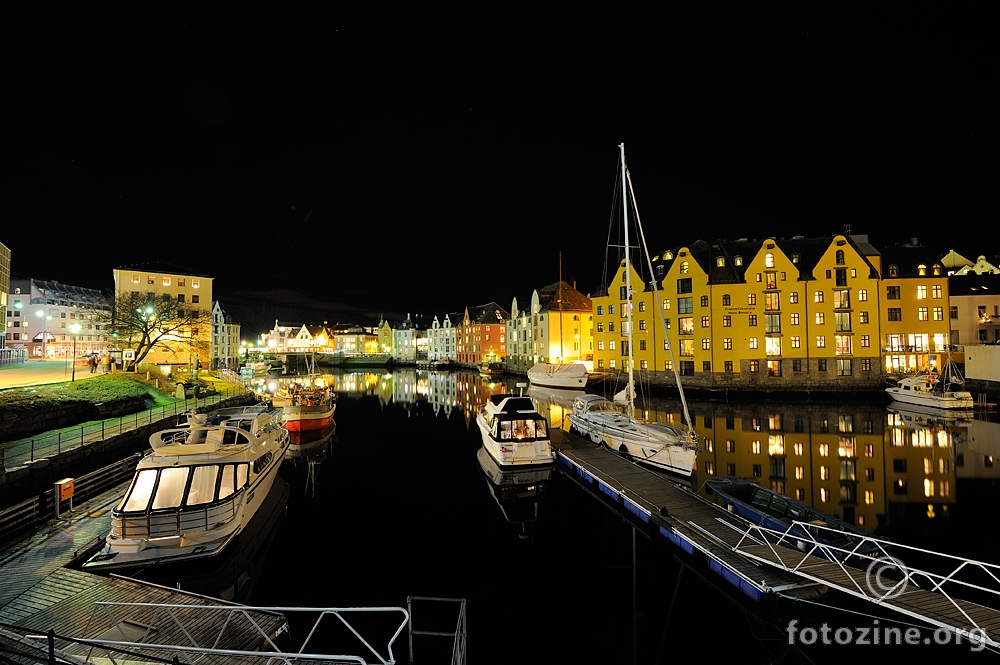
(42, 592)
(749, 557)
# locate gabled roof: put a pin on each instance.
(487, 314)
(561, 296)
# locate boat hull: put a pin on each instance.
(800, 525)
(304, 418)
(952, 400)
(551, 375)
(145, 534)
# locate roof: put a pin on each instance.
(561, 296)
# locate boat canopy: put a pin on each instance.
(161, 488)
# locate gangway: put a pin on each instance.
(916, 582)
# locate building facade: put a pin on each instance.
(442, 340)
(225, 340)
(557, 326)
(181, 294)
(48, 319)
(482, 335)
(747, 313)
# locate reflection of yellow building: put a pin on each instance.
(828, 460)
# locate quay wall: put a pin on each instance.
(23, 482)
(22, 424)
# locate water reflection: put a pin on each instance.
(518, 492)
(858, 461)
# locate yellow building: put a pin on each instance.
(915, 315)
(792, 313)
(178, 294)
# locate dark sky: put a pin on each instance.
(391, 162)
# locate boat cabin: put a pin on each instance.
(515, 419)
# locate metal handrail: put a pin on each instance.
(890, 556)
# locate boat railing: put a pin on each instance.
(176, 521)
(878, 569)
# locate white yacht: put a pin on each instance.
(196, 490)
(514, 433)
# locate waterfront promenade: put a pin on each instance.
(37, 372)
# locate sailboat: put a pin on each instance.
(653, 444)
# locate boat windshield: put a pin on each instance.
(519, 430)
(176, 487)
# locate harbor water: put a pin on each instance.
(396, 503)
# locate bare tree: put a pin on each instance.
(145, 322)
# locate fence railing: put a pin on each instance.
(27, 514)
(30, 450)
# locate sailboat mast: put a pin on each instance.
(562, 353)
(630, 398)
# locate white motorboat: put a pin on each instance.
(553, 375)
(514, 433)
(196, 490)
(654, 444)
(941, 391)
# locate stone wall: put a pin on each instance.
(23, 482)
(23, 424)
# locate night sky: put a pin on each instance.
(344, 165)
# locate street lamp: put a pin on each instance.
(45, 330)
(76, 329)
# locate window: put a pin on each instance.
(725, 300)
(796, 364)
(704, 322)
(195, 299)
(938, 313)
(772, 301)
(894, 314)
(727, 321)
(685, 305)
(922, 314)
(892, 293)
(611, 309)
(706, 345)
(793, 297)
(754, 366)
(166, 281)
(862, 317)
(820, 318)
(796, 342)
(753, 342)
(936, 291)
(728, 365)
(922, 292)
(196, 283)
(752, 299)
(794, 318)
(821, 364)
(704, 301)
(866, 341)
(150, 279)
(684, 285)
(600, 310)
(752, 321)
(863, 295)
(818, 296)
(727, 343)
(820, 341)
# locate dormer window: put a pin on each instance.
(921, 270)
(737, 260)
(893, 271)
(668, 256)
(796, 258)
(720, 262)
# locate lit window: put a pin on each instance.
(166, 281)
(196, 283)
(135, 279)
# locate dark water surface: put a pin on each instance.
(398, 506)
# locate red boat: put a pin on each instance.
(306, 408)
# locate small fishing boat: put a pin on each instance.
(196, 489)
(492, 370)
(798, 524)
(513, 432)
(306, 408)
